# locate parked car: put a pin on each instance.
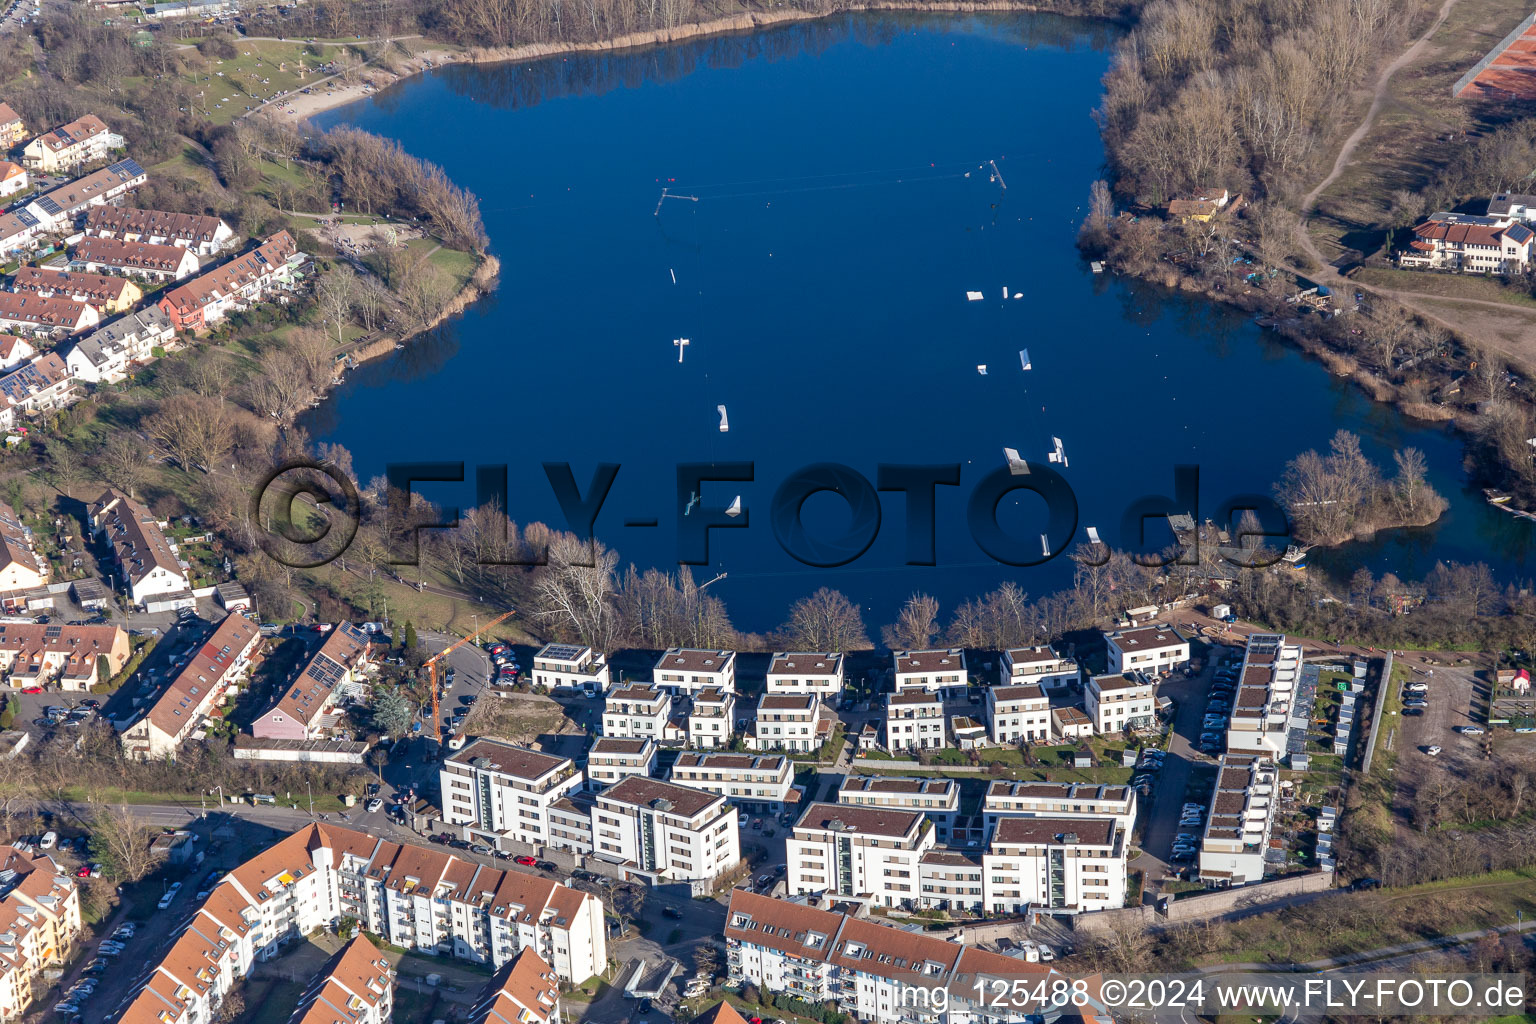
(373, 805)
(673, 913)
(482, 849)
(1363, 884)
(1433, 750)
(547, 865)
(1413, 712)
(1470, 730)
(526, 861)
(1415, 703)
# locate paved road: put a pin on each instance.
(1168, 792)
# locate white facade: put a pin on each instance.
(612, 759)
(787, 722)
(1266, 688)
(570, 667)
(1018, 714)
(935, 671)
(687, 670)
(710, 719)
(1069, 865)
(1041, 666)
(798, 672)
(1061, 800)
(914, 720)
(637, 711)
(760, 783)
(1149, 649)
(936, 799)
(505, 790)
(1116, 703)
(674, 832)
(869, 854)
(1237, 831)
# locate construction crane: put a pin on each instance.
(431, 666)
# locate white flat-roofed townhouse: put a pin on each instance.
(612, 758)
(571, 667)
(1040, 665)
(872, 971)
(1070, 865)
(676, 833)
(1237, 831)
(1018, 714)
(1117, 703)
(710, 718)
(637, 712)
(1266, 689)
(505, 790)
(914, 720)
(799, 672)
(1150, 649)
(788, 722)
(939, 799)
(870, 854)
(938, 671)
(1008, 799)
(757, 783)
(570, 825)
(686, 670)
(1070, 723)
(951, 880)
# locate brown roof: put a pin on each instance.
(518, 762)
(1460, 233)
(525, 990)
(308, 693)
(930, 661)
(1110, 683)
(72, 134)
(1146, 637)
(721, 1013)
(640, 791)
(913, 697)
(228, 278)
(786, 702)
(1070, 716)
(125, 220)
(94, 288)
(806, 662)
(618, 745)
(732, 762)
(1058, 790)
(895, 784)
(8, 116)
(1047, 831)
(684, 659)
(1027, 691)
(177, 709)
(357, 969)
(638, 693)
(114, 252)
(1032, 655)
(134, 534)
(42, 313)
(870, 821)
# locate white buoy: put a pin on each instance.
(981, 368)
(725, 424)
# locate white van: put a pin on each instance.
(48, 841)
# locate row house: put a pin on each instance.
(108, 294)
(789, 722)
(108, 354)
(13, 179)
(525, 990)
(69, 146)
(506, 790)
(40, 926)
(1266, 689)
(244, 280)
(1018, 714)
(868, 854)
(134, 259)
(914, 720)
(22, 570)
(666, 831)
(709, 718)
(13, 130)
(36, 388)
(1039, 666)
(756, 783)
(636, 711)
(219, 663)
(933, 671)
(1009, 799)
(1063, 865)
(612, 758)
(18, 231)
(1118, 703)
(682, 670)
(196, 233)
(42, 654)
(800, 672)
(303, 711)
(1237, 831)
(1155, 650)
(937, 799)
(568, 667)
(148, 566)
(1466, 243)
(38, 315)
(57, 210)
(356, 985)
(875, 972)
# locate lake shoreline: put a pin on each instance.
(306, 106)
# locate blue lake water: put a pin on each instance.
(844, 208)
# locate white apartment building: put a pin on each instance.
(1040, 666)
(612, 759)
(934, 671)
(686, 670)
(675, 833)
(1061, 800)
(637, 711)
(1266, 689)
(800, 672)
(951, 880)
(1067, 865)
(1018, 714)
(40, 924)
(914, 720)
(357, 985)
(872, 971)
(1468, 243)
(411, 896)
(937, 799)
(710, 717)
(870, 854)
(505, 790)
(757, 783)
(570, 667)
(1237, 830)
(1150, 649)
(1117, 703)
(69, 146)
(788, 722)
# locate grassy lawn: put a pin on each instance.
(1384, 761)
(259, 71)
(1450, 286)
(272, 1003)
(114, 795)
